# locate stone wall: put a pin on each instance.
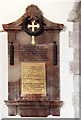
(75, 42)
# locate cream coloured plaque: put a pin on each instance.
(33, 78)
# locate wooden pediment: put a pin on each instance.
(32, 11)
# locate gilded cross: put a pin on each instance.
(33, 26)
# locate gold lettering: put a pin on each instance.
(33, 78)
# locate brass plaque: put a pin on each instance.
(33, 78)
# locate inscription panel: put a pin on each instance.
(32, 53)
(33, 78)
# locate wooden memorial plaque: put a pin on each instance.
(33, 65)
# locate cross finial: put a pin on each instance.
(33, 26)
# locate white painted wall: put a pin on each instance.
(55, 11)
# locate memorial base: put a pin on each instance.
(34, 108)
